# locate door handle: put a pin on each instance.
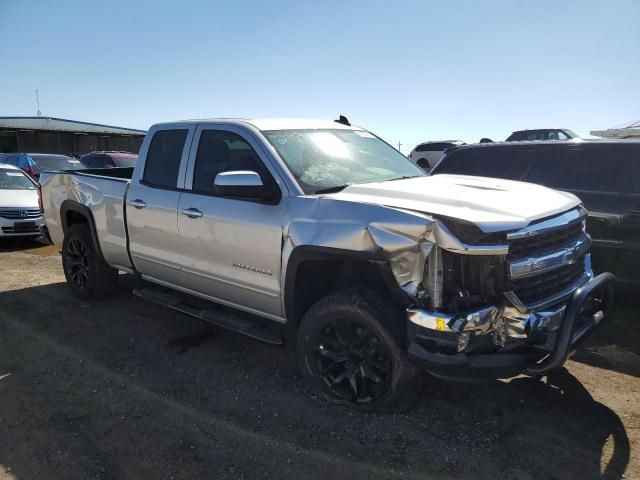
(137, 203)
(191, 212)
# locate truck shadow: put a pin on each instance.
(616, 346)
(93, 387)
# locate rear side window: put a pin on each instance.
(163, 158)
(588, 169)
(484, 162)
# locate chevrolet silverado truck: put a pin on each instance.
(321, 236)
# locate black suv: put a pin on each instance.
(604, 174)
(109, 159)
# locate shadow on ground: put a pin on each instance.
(123, 388)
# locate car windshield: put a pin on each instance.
(125, 160)
(57, 162)
(15, 180)
(331, 158)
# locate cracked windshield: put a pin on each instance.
(328, 159)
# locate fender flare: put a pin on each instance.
(73, 206)
(304, 253)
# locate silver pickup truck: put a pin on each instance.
(320, 235)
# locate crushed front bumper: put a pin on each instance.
(479, 346)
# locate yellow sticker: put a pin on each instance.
(440, 323)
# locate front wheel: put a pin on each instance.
(348, 357)
(88, 275)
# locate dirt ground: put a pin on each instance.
(126, 389)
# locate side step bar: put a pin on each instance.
(245, 324)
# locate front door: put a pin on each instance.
(231, 248)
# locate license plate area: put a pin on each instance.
(24, 227)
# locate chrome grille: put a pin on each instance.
(547, 258)
(30, 229)
(538, 287)
(545, 243)
(20, 213)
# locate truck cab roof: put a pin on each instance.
(273, 123)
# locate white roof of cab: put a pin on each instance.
(278, 123)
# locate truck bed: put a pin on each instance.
(101, 191)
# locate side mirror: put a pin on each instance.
(241, 184)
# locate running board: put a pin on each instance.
(215, 314)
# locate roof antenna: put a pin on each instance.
(38, 102)
(343, 120)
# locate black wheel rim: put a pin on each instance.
(77, 262)
(353, 362)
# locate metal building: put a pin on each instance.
(58, 135)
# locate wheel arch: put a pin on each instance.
(73, 213)
(313, 272)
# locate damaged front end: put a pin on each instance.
(519, 305)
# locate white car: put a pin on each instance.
(20, 212)
(427, 154)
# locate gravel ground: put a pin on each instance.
(126, 389)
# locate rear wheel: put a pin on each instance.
(348, 357)
(88, 275)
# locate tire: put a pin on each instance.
(348, 357)
(87, 274)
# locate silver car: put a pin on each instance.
(20, 212)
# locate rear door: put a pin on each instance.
(594, 174)
(231, 247)
(630, 222)
(152, 204)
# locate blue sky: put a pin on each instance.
(408, 70)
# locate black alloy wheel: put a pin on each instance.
(353, 362)
(77, 262)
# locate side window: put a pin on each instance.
(562, 136)
(220, 151)
(163, 158)
(634, 160)
(107, 162)
(89, 161)
(485, 162)
(590, 169)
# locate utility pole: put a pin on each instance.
(38, 102)
(399, 145)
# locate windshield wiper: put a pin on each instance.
(334, 189)
(405, 177)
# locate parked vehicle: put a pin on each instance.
(427, 154)
(109, 159)
(34, 163)
(542, 134)
(320, 235)
(605, 174)
(20, 212)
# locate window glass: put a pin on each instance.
(163, 158)
(321, 159)
(220, 151)
(562, 136)
(577, 169)
(56, 162)
(15, 180)
(634, 159)
(484, 162)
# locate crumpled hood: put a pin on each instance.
(492, 204)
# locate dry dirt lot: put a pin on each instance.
(126, 389)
